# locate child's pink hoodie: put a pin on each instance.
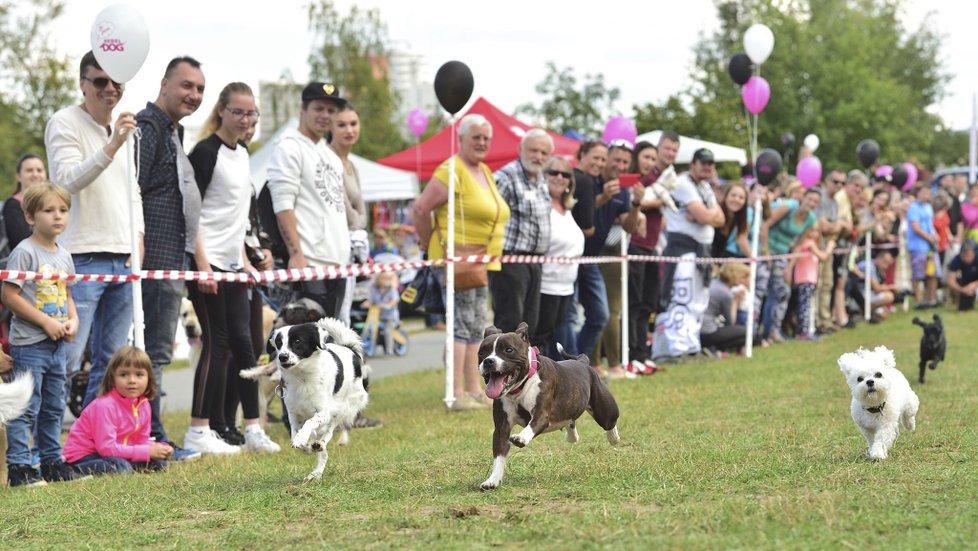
(111, 426)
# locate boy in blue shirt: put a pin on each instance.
(922, 245)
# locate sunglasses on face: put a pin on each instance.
(101, 82)
(556, 173)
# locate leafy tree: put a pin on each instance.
(34, 80)
(844, 70)
(567, 107)
(351, 50)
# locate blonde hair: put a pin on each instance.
(568, 200)
(132, 357)
(732, 272)
(214, 120)
(35, 196)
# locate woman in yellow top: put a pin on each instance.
(480, 216)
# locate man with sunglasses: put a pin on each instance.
(830, 226)
(516, 287)
(87, 157)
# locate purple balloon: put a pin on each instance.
(884, 171)
(417, 121)
(809, 171)
(756, 94)
(620, 128)
(911, 175)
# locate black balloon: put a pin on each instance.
(740, 68)
(899, 176)
(768, 166)
(787, 140)
(453, 86)
(868, 151)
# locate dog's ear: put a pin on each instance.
(491, 330)
(916, 321)
(522, 330)
(937, 320)
(845, 365)
(270, 347)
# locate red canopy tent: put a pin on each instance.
(506, 133)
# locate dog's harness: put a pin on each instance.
(877, 409)
(533, 371)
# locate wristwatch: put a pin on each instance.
(636, 204)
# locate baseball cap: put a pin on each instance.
(703, 155)
(322, 90)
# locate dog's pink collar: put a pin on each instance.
(533, 371)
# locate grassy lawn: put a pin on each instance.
(719, 455)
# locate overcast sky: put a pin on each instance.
(645, 49)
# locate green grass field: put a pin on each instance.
(728, 454)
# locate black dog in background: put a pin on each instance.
(932, 344)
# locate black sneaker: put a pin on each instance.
(231, 435)
(24, 475)
(59, 471)
(364, 422)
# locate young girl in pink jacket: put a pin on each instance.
(112, 434)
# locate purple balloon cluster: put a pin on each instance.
(620, 129)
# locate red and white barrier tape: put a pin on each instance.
(354, 270)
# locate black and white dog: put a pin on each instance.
(323, 382)
(932, 344)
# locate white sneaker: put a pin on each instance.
(208, 443)
(258, 442)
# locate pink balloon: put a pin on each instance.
(620, 128)
(809, 171)
(883, 171)
(417, 121)
(756, 94)
(911, 175)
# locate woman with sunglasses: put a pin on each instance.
(30, 171)
(566, 240)
(223, 173)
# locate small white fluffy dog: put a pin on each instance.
(881, 397)
(323, 377)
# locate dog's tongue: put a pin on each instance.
(495, 385)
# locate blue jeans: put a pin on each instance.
(594, 299)
(45, 360)
(104, 310)
(95, 464)
(161, 305)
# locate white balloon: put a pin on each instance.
(758, 43)
(811, 142)
(120, 41)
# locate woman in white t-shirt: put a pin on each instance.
(567, 240)
(223, 174)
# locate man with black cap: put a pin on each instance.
(684, 295)
(305, 180)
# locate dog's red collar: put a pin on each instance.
(533, 371)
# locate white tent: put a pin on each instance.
(688, 145)
(378, 182)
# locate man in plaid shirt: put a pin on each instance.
(171, 209)
(516, 287)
